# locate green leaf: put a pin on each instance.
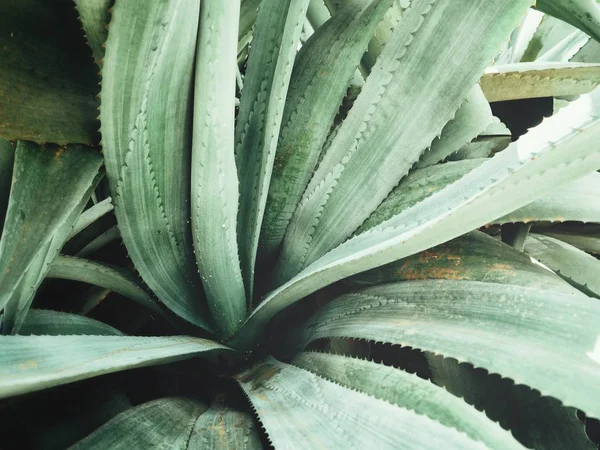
(545, 339)
(295, 406)
(320, 79)
(224, 427)
(472, 119)
(146, 136)
(110, 235)
(32, 363)
(165, 423)
(47, 79)
(51, 185)
(576, 201)
(365, 161)
(574, 265)
(472, 257)
(55, 323)
(407, 391)
(589, 53)
(98, 274)
(537, 422)
(494, 139)
(274, 45)
(590, 244)
(521, 39)
(540, 79)
(7, 158)
(583, 14)
(90, 215)
(561, 149)
(214, 176)
(94, 16)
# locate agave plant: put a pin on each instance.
(299, 224)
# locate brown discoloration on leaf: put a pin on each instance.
(259, 375)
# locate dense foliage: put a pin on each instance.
(299, 224)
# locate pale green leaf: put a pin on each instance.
(165, 423)
(50, 187)
(214, 175)
(545, 339)
(539, 79)
(274, 45)
(378, 142)
(98, 274)
(589, 53)
(89, 216)
(561, 149)
(32, 363)
(590, 244)
(574, 265)
(408, 391)
(55, 323)
(146, 136)
(583, 14)
(94, 17)
(296, 406)
(320, 79)
(108, 236)
(521, 38)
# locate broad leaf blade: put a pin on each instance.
(50, 187)
(547, 340)
(146, 132)
(583, 14)
(378, 143)
(276, 37)
(94, 17)
(513, 178)
(321, 76)
(164, 423)
(295, 406)
(32, 363)
(98, 274)
(214, 176)
(55, 323)
(407, 391)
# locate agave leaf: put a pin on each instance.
(94, 16)
(567, 48)
(90, 215)
(295, 406)
(7, 158)
(275, 41)
(472, 257)
(321, 76)
(537, 422)
(214, 176)
(50, 187)
(110, 235)
(223, 427)
(47, 81)
(574, 265)
(248, 13)
(146, 133)
(98, 274)
(472, 118)
(590, 244)
(365, 161)
(577, 201)
(533, 80)
(561, 149)
(534, 336)
(583, 14)
(493, 140)
(589, 53)
(55, 323)
(521, 38)
(163, 423)
(407, 391)
(32, 363)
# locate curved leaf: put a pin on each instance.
(7, 158)
(32, 363)
(323, 69)
(47, 79)
(365, 161)
(513, 178)
(55, 323)
(275, 41)
(119, 281)
(163, 423)
(547, 340)
(89, 216)
(50, 187)
(590, 244)
(533, 80)
(214, 177)
(574, 265)
(583, 14)
(408, 391)
(94, 17)
(295, 406)
(146, 132)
